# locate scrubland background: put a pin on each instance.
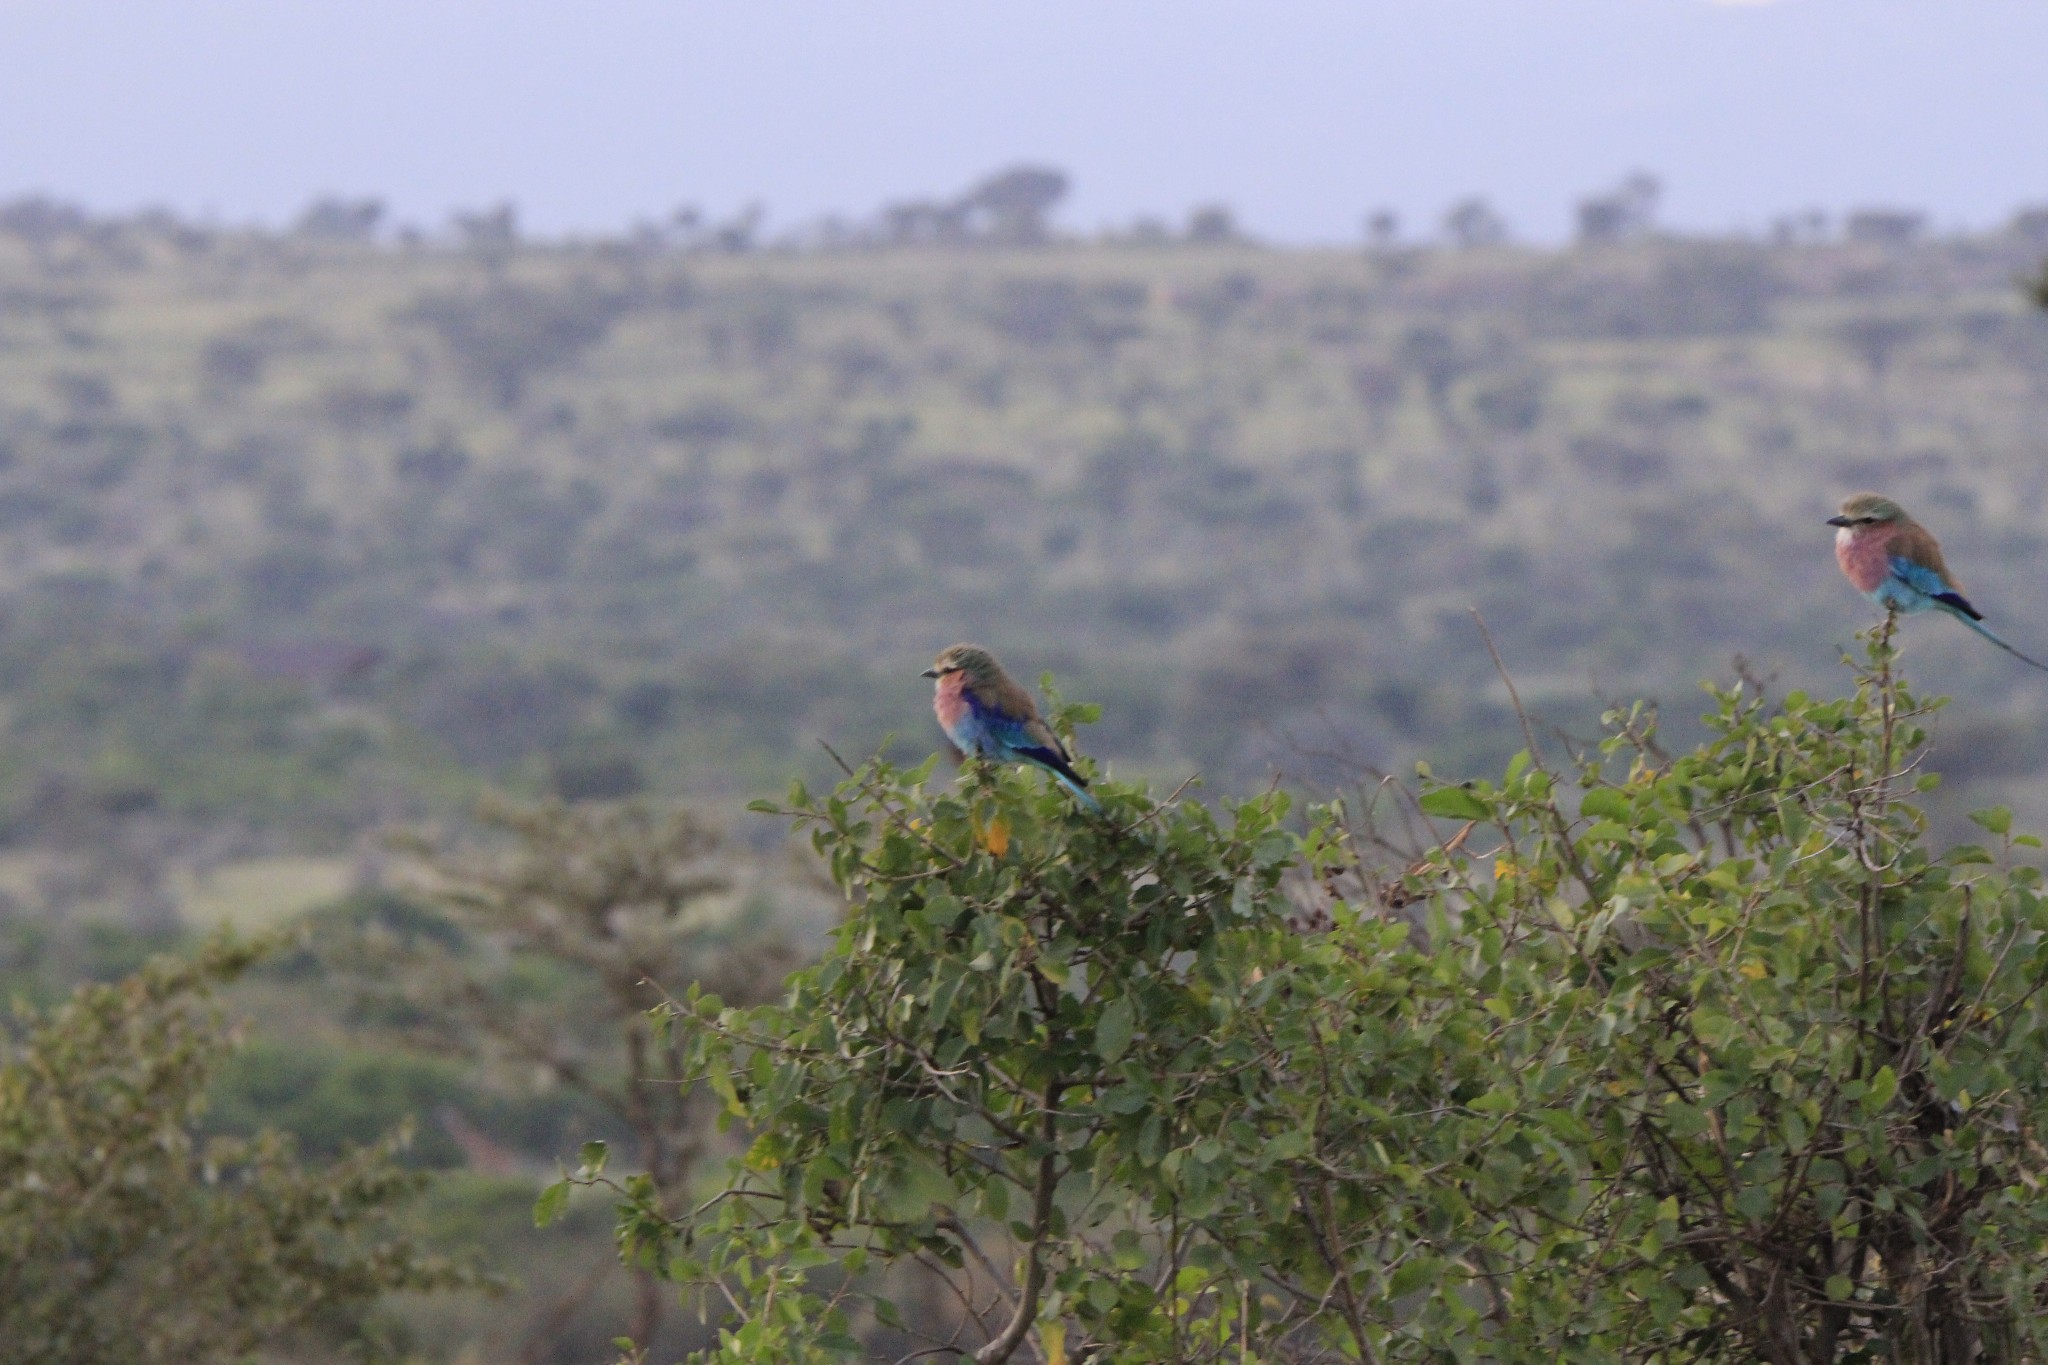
(313, 534)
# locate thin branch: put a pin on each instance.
(973, 1248)
(1514, 696)
(1012, 1335)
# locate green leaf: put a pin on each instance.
(1454, 803)
(1413, 1275)
(1995, 819)
(1113, 1029)
(1840, 1288)
(1124, 1099)
(553, 1201)
(593, 1157)
(1605, 802)
(1883, 1086)
(1565, 1124)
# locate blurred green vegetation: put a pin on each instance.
(340, 1060)
(127, 1235)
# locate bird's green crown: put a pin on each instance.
(1871, 508)
(976, 662)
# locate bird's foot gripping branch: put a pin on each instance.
(1701, 1056)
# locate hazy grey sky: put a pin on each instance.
(1301, 113)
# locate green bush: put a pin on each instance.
(1701, 1057)
(125, 1238)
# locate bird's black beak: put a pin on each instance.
(1840, 521)
(929, 673)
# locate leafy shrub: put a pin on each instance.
(123, 1238)
(1702, 1056)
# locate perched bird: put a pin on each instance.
(987, 715)
(1895, 562)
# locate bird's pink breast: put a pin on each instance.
(949, 700)
(1865, 555)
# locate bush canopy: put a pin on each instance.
(1693, 1057)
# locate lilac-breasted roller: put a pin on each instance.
(1896, 562)
(987, 715)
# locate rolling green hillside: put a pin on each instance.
(307, 535)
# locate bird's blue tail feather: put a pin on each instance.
(1081, 793)
(1990, 635)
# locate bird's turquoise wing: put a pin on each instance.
(1929, 583)
(1918, 577)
